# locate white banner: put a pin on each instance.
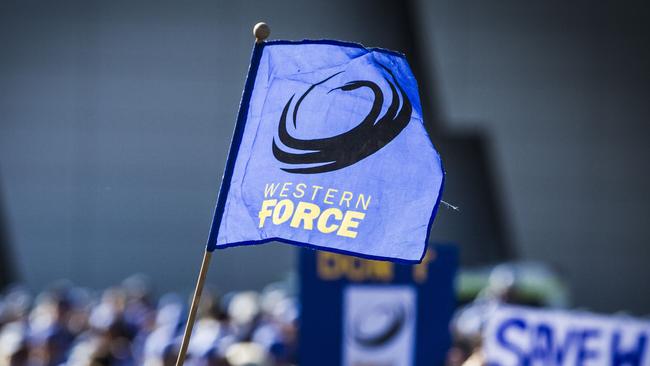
(379, 325)
(526, 336)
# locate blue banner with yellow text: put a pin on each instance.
(363, 312)
(330, 152)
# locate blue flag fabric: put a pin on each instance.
(330, 152)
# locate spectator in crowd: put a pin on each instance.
(123, 326)
(519, 283)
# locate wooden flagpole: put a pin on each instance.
(261, 32)
(194, 307)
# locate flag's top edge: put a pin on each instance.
(335, 43)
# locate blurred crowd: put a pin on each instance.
(125, 325)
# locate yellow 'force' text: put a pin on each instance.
(303, 206)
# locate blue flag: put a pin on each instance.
(330, 152)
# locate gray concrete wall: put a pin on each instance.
(561, 89)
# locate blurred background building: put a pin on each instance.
(115, 121)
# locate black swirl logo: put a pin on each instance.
(379, 325)
(340, 151)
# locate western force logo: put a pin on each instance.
(340, 151)
(378, 325)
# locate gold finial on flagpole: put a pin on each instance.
(261, 31)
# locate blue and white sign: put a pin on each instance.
(526, 336)
(363, 312)
(330, 152)
(379, 325)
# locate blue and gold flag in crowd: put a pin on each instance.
(330, 152)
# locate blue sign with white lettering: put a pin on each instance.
(365, 312)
